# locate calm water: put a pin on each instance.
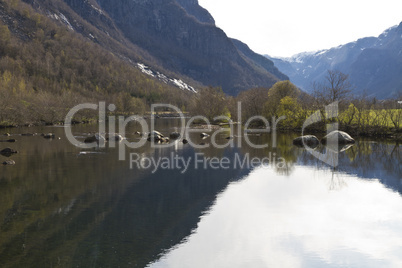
(61, 206)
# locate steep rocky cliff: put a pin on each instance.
(183, 37)
(193, 8)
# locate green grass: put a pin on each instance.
(373, 118)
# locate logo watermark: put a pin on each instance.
(186, 129)
(329, 157)
(107, 124)
(182, 164)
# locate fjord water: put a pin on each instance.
(61, 206)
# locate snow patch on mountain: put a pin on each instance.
(172, 81)
(99, 11)
(62, 19)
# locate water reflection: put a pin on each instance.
(67, 207)
(268, 220)
(153, 215)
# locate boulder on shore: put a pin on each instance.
(338, 137)
(309, 140)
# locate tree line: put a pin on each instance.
(359, 115)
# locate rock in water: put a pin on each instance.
(204, 135)
(115, 137)
(338, 148)
(95, 138)
(49, 136)
(174, 135)
(156, 133)
(155, 136)
(8, 152)
(338, 137)
(309, 140)
(9, 163)
(165, 140)
(9, 140)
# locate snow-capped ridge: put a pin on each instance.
(372, 64)
(299, 57)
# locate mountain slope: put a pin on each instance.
(258, 59)
(47, 67)
(193, 8)
(373, 63)
(180, 36)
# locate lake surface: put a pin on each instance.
(62, 206)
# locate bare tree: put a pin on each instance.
(335, 88)
(209, 102)
(394, 111)
(252, 102)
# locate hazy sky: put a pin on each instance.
(287, 27)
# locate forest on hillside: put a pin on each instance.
(46, 69)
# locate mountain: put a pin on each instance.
(183, 37)
(193, 8)
(175, 37)
(51, 60)
(374, 64)
(258, 59)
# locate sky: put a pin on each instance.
(282, 28)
